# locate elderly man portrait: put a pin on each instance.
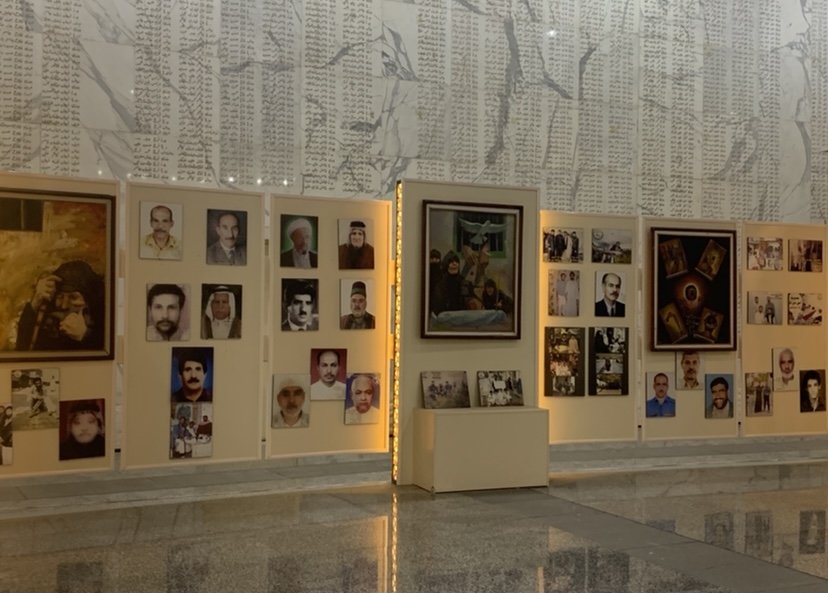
(363, 391)
(221, 319)
(289, 403)
(359, 317)
(160, 243)
(355, 252)
(300, 232)
(228, 249)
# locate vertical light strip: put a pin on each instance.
(394, 511)
(395, 390)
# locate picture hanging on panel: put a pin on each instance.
(689, 370)
(805, 255)
(693, 292)
(226, 237)
(191, 430)
(354, 304)
(290, 406)
(718, 395)
(328, 371)
(660, 404)
(759, 535)
(612, 246)
(812, 532)
(609, 361)
(564, 361)
(192, 376)
(362, 399)
(765, 308)
(82, 429)
(356, 251)
(300, 309)
(718, 530)
(564, 293)
(804, 308)
(58, 267)
(610, 294)
(35, 395)
(221, 306)
(161, 231)
(759, 394)
(168, 316)
(563, 245)
(765, 254)
(784, 369)
(299, 241)
(500, 388)
(6, 434)
(812, 390)
(445, 389)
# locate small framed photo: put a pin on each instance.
(168, 315)
(35, 395)
(804, 255)
(328, 371)
(362, 399)
(356, 249)
(564, 293)
(82, 429)
(784, 369)
(191, 378)
(812, 390)
(162, 231)
(718, 395)
(300, 308)
(612, 246)
(290, 405)
(226, 237)
(660, 404)
(804, 308)
(221, 311)
(610, 363)
(299, 236)
(191, 430)
(610, 294)
(759, 394)
(764, 308)
(500, 388)
(354, 303)
(689, 371)
(564, 361)
(765, 254)
(445, 389)
(563, 245)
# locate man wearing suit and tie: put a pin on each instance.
(610, 306)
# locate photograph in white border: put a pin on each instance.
(612, 246)
(500, 388)
(785, 369)
(185, 441)
(660, 404)
(564, 245)
(764, 254)
(805, 308)
(35, 395)
(765, 308)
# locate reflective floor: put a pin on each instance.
(733, 529)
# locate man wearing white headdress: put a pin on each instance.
(220, 320)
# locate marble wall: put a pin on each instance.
(687, 108)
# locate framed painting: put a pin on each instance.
(58, 269)
(471, 270)
(694, 292)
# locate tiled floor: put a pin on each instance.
(342, 527)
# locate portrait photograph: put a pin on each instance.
(564, 245)
(300, 307)
(785, 370)
(764, 308)
(564, 372)
(299, 241)
(290, 405)
(362, 399)
(191, 377)
(693, 293)
(805, 308)
(610, 293)
(660, 393)
(718, 530)
(812, 532)
(356, 244)
(35, 396)
(612, 246)
(759, 394)
(191, 430)
(719, 392)
(499, 388)
(471, 270)
(226, 236)
(161, 231)
(812, 390)
(609, 361)
(168, 312)
(6, 433)
(356, 301)
(804, 255)
(445, 389)
(221, 311)
(58, 288)
(328, 371)
(689, 371)
(564, 293)
(82, 429)
(765, 254)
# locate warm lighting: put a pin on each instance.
(231, 179)
(394, 519)
(285, 182)
(395, 388)
(259, 181)
(552, 33)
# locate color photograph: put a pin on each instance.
(299, 241)
(718, 395)
(82, 429)
(445, 389)
(563, 245)
(192, 375)
(765, 254)
(660, 403)
(328, 372)
(355, 299)
(221, 311)
(191, 430)
(161, 231)
(356, 249)
(168, 312)
(785, 369)
(564, 362)
(290, 405)
(805, 308)
(362, 399)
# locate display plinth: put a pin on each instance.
(479, 449)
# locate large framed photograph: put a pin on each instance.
(694, 291)
(58, 291)
(471, 270)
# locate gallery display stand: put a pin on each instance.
(477, 449)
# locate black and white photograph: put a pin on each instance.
(804, 255)
(226, 237)
(499, 388)
(564, 245)
(300, 307)
(612, 246)
(82, 429)
(221, 311)
(765, 254)
(6, 434)
(35, 395)
(356, 244)
(610, 294)
(362, 399)
(785, 377)
(161, 231)
(356, 301)
(564, 293)
(765, 308)
(168, 312)
(290, 405)
(660, 393)
(609, 361)
(759, 394)
(445, 389)
(812, 390)
(564, 372)
(805, 308)
(328, 372)
(299, 236)
(191, 430)
(719, 394)
(812, 532)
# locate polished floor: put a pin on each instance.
(342, 527)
